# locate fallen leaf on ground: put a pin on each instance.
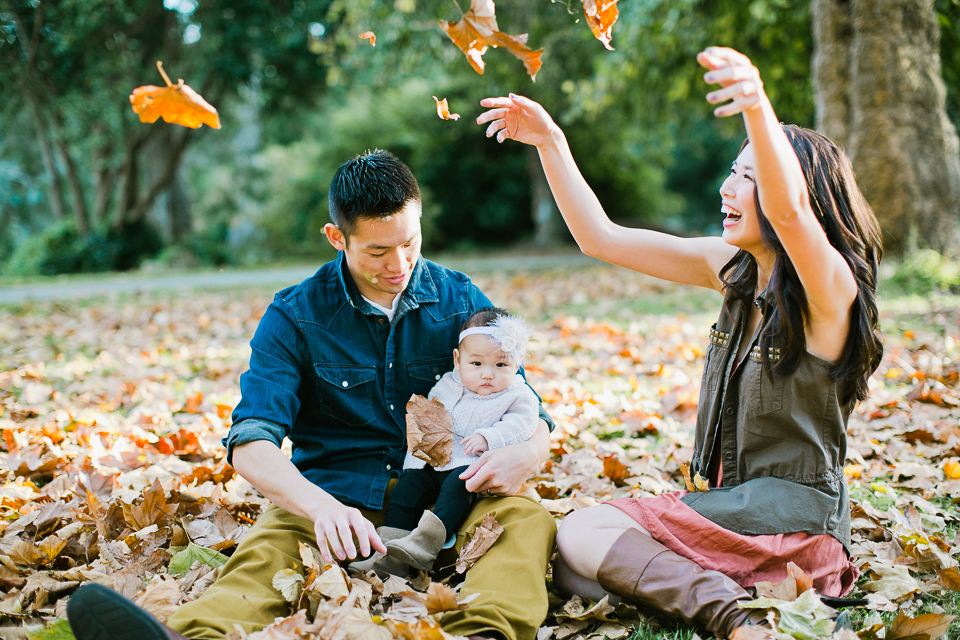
(175, 103)
(483, 538)
(929, 626)
(478, 29)
(441, 598)
(429, 431)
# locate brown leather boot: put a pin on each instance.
(644, 571)
(98, 613)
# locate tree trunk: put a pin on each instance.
(54, 193)
(104, 179)
(76, 192)
(895, 127)
(549, 228)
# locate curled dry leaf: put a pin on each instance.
(175, 103)
(429, 431)
(787, 589)
(483, 538)
(371, 36)
(478, 29)
(444, 111)
(601, 14)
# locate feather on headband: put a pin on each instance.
(511, 332)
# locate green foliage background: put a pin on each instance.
(299, 93)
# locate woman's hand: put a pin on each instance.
(517, 117)
(739, 79)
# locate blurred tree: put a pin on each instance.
(75, 62)
(880, 94)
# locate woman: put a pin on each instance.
(788, 359)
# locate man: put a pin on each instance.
(334, 361)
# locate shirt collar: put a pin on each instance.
(420, 289)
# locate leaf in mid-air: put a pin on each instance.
(444, 111)
(601, 14)
(175, 103)
(371, 36)
(478, 29)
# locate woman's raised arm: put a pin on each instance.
(695, 261)
(829, 284)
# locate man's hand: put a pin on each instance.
(502, 471)
(337, 526)
(474, 445)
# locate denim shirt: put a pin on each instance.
(330, 372)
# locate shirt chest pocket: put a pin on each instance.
(347, 392)
(426, 373)
(715, 359)
(766, 394)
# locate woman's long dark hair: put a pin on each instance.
(853, 230)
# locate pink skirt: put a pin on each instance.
(747, 559)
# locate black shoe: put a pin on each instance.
(98, 613)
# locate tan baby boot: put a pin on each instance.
(420, 548)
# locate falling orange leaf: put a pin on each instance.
(478, 29)
(601, 14)
(444, 111)
(371, 36)
(175, 103)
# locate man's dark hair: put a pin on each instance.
(483, 317)
(372, 185)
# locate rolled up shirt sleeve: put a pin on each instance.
(269, 401)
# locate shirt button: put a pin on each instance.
(728, 455)
(391, 407)
(346, 384)
(729, 411)
(391, 365)
(381, 321)
(388, 467)
(436, 377)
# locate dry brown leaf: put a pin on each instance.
(441, 598)
(687, 480)
(601, 14)
(615, 470)
(804, 582)
(443, 110)
(478, 29)
(421, 630)
(371, 36)
(160, 598)
(949, 578)
(483, 538)
(429, 431)
(752, 632)
(929, 626)
(175, 103)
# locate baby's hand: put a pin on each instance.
(474, 445)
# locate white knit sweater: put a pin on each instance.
(503, 418)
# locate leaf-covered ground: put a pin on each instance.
(112, 411)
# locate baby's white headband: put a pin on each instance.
(510, 331)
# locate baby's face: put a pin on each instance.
(484, 369)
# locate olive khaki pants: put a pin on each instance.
(509, 578)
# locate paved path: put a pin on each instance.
(135, 282)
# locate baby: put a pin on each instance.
(492, 407)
